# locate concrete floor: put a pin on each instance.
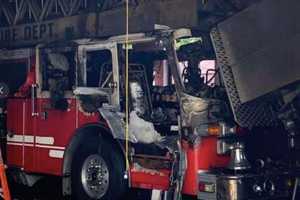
(50, 189)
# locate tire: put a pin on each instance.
(98, 171)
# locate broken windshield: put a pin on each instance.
(195, 71)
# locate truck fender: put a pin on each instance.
(96, 130)
(115, 121)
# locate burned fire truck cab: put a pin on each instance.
(67, 118)
(137, 111)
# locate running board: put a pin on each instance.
(150, 172)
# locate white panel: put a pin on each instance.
(19, 144)
(56, 154)
(156, 195)
(21, 138)
(49, 147)
(44, 140)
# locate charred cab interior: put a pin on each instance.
(153, 91)
(56, 74)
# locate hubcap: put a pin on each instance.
(95, 176)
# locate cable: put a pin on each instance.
(126, 88)
(295, 189)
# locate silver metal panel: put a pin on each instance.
(254, 113)
(262, 47)
(257, 54)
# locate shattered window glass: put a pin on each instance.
(58, 70)
(99, 68)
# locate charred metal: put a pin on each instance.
(181, 104)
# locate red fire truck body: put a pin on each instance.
(40, 138)
(36, 144)
(103, 116)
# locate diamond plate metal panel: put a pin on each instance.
(255, 113)
(258, 53)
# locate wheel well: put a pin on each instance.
(97, 131)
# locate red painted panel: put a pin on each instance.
(28, 130)
(19, 122)
(47, 165)
(57, 125)
(61, 125)
(201, 157)
(14, 157)
(14, 115)
(141, 179)
(84, 118)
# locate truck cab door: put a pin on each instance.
(16, 66)
(54, 108)
(98, 73)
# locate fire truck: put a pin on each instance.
(139, 111)
(67, 118)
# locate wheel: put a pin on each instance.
(98, 171)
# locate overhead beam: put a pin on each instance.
(143, 17)
(7, 11)
(34, 9)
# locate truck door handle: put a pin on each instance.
(33, 100)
